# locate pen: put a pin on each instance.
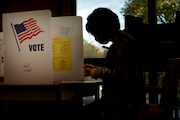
(105, 47)
(91, 66)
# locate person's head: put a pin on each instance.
(103, 24)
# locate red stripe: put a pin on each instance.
(29, 36)
(31, 30)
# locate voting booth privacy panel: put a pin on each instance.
(67, 48)
(40, 49)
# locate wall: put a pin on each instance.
(58, 7)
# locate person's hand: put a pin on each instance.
(89, 70)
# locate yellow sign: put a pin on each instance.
(62, 54)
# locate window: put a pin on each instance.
(166, 10)
(160, 12)
(165, 13)
(92, 49)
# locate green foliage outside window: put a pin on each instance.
(165, 10)
(92, 51)
(160, 77)
(166, 13)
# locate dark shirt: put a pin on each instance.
(122, 76)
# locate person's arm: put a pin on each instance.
(95, 72)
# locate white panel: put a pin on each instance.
(68, 31)
(28, 62)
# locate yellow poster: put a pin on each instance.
(62, 60)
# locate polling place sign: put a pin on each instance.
(28, 47)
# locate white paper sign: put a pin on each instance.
(67, 48)
(28, 47)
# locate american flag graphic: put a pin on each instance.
(27, 29)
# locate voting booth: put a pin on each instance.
(27, 41)
(41, 49)
(67, 48)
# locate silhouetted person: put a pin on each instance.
(122, 74)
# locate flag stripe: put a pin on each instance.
(31, 29)
(29, 33)
(28, 36)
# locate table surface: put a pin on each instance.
(86, 80)
(49, 92)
